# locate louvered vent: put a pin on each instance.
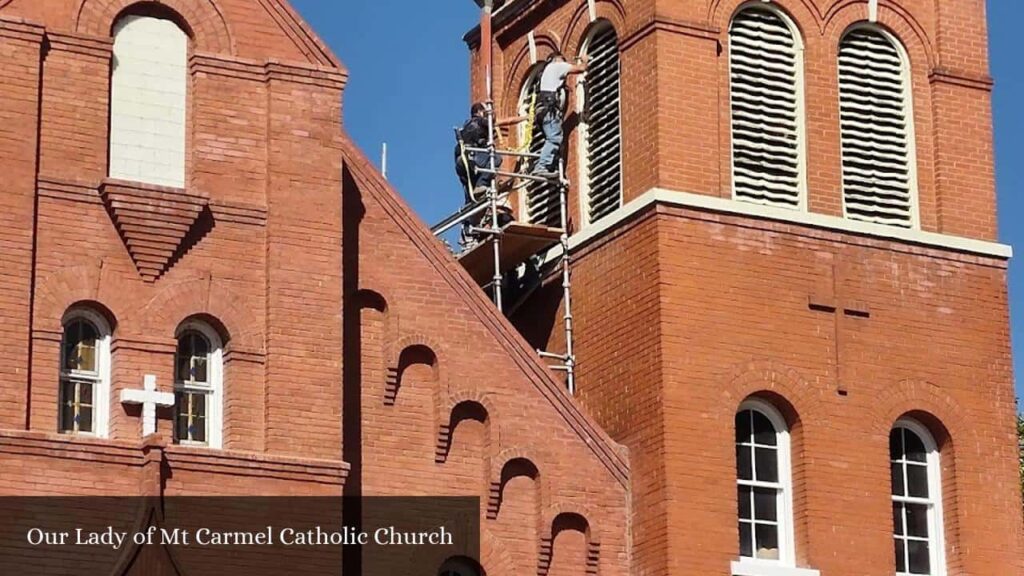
(874, 115)
(603, 146)
(764, 67)
(542, 203)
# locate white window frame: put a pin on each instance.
(100, 378)
(936, 537)
(214, 388)
(801, 105)
(583, 130)
(908, 106)
(787, 556)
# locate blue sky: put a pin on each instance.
(409, 87)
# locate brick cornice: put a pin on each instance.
(302, 74)
(68, 447)
(229, 66)
(68, 190)
(243, 69)
(18, 29)
(674, 26)
(85, 45)
(257, 465)
(962, 78)
(239, 213)
(780, 220)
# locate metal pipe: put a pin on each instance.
(505, 152)
(570, 354)
(486, 46)
(516, 175)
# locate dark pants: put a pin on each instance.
(475, 178)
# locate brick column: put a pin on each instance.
(304, 292)
(20, 62)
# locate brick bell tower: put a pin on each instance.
(789, 298)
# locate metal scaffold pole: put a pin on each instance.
(570, 355)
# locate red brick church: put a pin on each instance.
(792, 351)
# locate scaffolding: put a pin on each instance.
(497, 247)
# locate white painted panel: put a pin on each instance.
(149, 90)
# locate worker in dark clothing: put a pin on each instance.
(468, 163)
(551, 110)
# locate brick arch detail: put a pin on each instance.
(803, 13)
(520, 67)
(446, 405)
(60, 289)
(393, 364)
(210, 29)
(547, 542)
(774, 377)
(913, 395)
(892, 17)
(173, 303)
(497, 485)
(579, 24)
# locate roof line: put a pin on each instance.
(607, 450)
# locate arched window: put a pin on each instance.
(85, 374)
(764, 484)
(460, 567)
(766, 102)
(198, 386)
(600, 129)
(541, 200)
(875, 113)
(916, 500)
(148, 93)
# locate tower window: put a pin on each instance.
(147, 101)
(601, 133)
(765, 73)
(197, 387)
(84, 374)
(916, 500)
(763, 484)
(879, 181)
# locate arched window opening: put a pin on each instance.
(601, 129)
(460, 567)
(766, 103)
(876, 118)
(541, 204)
(148, 94)
(198, 386)
(916, 500)
(764, 484)
(85, 374)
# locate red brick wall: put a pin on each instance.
(320, 281)
(681, 314)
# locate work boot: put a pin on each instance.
(542, 173)
(479, 192)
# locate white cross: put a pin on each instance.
(149, 399)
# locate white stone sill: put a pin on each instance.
(753, 568)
